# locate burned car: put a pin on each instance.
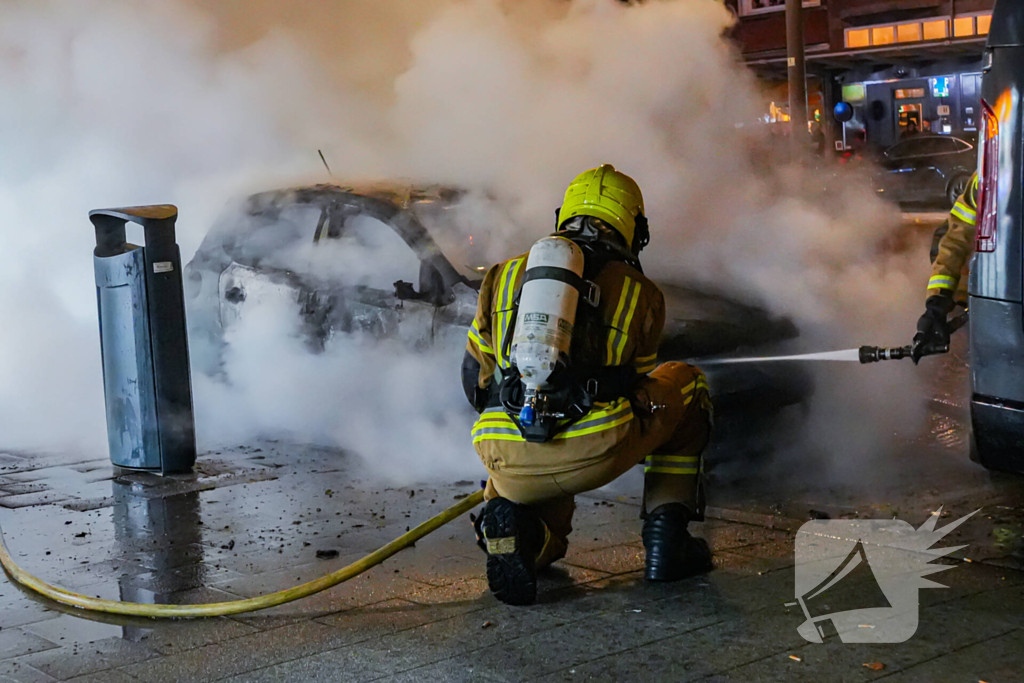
(370, 260)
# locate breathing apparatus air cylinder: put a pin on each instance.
(548, 299)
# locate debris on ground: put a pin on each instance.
(487, 624)
(795, 658)
(818, 514)
(874, 666)
(328, 554)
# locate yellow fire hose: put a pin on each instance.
(220, 609)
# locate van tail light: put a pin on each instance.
(988, 180)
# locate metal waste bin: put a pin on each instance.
(146, 377)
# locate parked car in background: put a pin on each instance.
(927, 169)
(996, 286)
(389, 261)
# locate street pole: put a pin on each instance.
(797, 71)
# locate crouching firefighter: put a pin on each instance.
(561, 364)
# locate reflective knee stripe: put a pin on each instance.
(496, 425)
(645, 364)
(965, 213)
(619, 333)
(477, 340)
(942, 282)
(506, 295)
(672, 464)
(691, 388)
(615, 414)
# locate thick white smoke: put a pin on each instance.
(105, 103)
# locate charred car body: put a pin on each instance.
(387, 275)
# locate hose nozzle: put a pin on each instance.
(873, 354)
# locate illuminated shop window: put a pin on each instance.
(972, 25)
(936, 30)
(858, 38)
(963, 27)
(908, 33)
(883, 35)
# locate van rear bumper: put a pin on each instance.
(997, 441)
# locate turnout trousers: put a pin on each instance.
(665, 424)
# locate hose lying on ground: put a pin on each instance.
(219, 609)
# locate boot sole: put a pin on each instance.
(510, 576)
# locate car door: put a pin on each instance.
(935, 167)
(906, 168)
(370, 275)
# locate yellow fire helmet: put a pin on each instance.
(607, 194)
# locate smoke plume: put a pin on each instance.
(105, 103)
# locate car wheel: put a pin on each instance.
(957, 186)
(997, 437)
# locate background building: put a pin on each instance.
(902, 64)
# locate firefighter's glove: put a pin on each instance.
(932, 329)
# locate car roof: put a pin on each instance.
(932, 136)
(398, 193)
(1007, 24)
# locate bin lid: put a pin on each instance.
(139, 214)
(1007, 24)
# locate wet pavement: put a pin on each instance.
(252, 520)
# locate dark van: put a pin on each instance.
(997, 271)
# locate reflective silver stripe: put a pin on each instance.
(942, 281)
(495, 430)
(965, 213)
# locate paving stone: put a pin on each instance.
(349, 664)
(31, 499)
(89, 658)
(15, 642)
(102, 677)
(437, 640)
(22, 673)
(616, 559)
(240, 655)
(455, 670)
(993, 660)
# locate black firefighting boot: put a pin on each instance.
(512, 535)
(672, 553)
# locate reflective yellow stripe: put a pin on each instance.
(654, 459)
(505, 298)
(965, 213)
(688, 388)
(942, 282)
(669, 470)
(597, 428)
(498, 437)
(616, 414)
(475, 337)
(645, 364)
(625, 326)
(623, 295)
